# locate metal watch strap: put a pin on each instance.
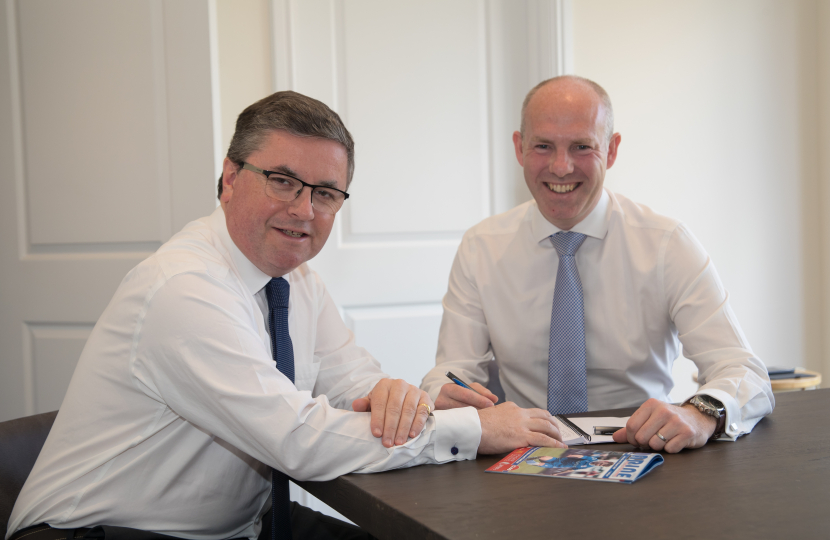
(711, 407)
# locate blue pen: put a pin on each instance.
(459, 382)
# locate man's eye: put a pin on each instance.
(280, 181)
(583, 147)
(323, 194)
(542, 146)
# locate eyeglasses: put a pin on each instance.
(286, 188)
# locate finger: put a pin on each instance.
(540, 439)
(544, 426)
(664, 420)
(676, 444)
(680, 436)
(392, 411)
(485, 392)
(377, 404)
(408, 414)
(635, 423)
(620, 436)
(656, 443)
(361, 404)
(538, 413)
(463, 397)
(421, 414)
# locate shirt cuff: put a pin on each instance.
(458, 434)
(735, 426)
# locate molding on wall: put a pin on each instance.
(17, 129)
(550, 41)
(282, 45)
(162, 122)
(823, 105)
(215, 91)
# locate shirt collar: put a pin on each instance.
(595, 224)
(253, 278)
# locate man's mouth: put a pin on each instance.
(292, 234)
(562, 188)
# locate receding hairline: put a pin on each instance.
(598, 90)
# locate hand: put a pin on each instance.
(507, 426)
(683, 427)
(453, 396)
(396, 410)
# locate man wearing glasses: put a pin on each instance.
(222, 365)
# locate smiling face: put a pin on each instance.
(279, 236)
(564, 151)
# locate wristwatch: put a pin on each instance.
(712, 407)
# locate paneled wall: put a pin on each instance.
(107, 146)
(431, 92)
(718, 106)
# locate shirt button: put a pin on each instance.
(454, 450)
(733, 427)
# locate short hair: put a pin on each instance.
(289, 111)
(600, 92)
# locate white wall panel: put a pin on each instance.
(103, 131)
(403, 338)
(711, 101)
(107, 142)
(55, 350)
(417, 104)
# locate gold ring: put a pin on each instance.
(429, 410)
(661, 437)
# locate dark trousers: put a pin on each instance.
(305, 524)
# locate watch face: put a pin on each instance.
(709, 405)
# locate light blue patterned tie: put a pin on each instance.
(567, 377)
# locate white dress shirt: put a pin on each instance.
(176, 411)
(648, 286)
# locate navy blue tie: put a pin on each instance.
(277, 291)
(567, 369)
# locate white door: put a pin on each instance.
(106, 148)
(431, 92)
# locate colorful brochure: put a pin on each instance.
(584, 464)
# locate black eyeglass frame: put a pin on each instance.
(266, 174)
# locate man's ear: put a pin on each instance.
(230, 171)
(612, 149)
(517, 144)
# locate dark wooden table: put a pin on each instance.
(772, 483)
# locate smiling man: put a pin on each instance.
(584, 297)
(221, 367)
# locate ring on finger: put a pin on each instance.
(429, 410)
(659, 436)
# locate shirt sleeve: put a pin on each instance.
(207, 362)
(464, 340)
(712, 338)
(347, 371)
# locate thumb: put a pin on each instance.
(361, 405)
(620, 436)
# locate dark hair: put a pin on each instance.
(295, 113)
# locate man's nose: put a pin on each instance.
(301, 207)
(561, 164)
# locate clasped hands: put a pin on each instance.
(398, 414)
(397, 411)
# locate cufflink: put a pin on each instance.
(453, 450)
